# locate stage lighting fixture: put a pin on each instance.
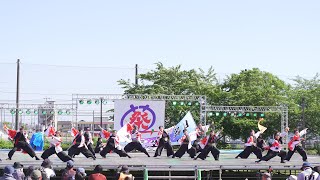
(51, 112)
(12, 111)
(197, 103)
(89, 101)
(217, 114)
(35, 111)
(240, 115)
(210, 114)
(174, 103)
(97, 101)
(20, 111)
(247, 114)
(44, 112)
(105, 102)
(261, 115)
(255, 114)
(28, 111)
(68, 112)
(232, 114)
(59, 112)
(225, 114)
(181, 103)
(81, 101)
(189, 103)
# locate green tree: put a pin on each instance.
(309, 90)
(175, 81)
(252, 88)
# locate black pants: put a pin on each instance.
(250, 149)
(300, 150)
(207, 149)
(271, 154)
(73, 150)
(90, 148)
(181, 151)
(166, 145)
(24, 146)
(62, 155)
(110, 148)
(135, 145)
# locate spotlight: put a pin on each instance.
(81, 101)
(217, 114)
(225, 114)
(89, 101)
(36, 111)
(174, 103)
(97, 101)
(60, 112)
(12, 111)
(189, 103)
(44, 112)
(261, 115)
(28, 111)
(181, 103)
(68, 112)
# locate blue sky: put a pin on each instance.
(281, 37)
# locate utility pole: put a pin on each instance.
(101, 101)
(17, 95)
(136, 75)
(303, 106)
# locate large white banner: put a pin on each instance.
(147, 115)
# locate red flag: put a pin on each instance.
(74, 132)
(50, 131)
(105, 134)
(11, 133)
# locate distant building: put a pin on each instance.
(94, 125)
(46, 113)
(64, 126)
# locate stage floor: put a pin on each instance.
(140, 161)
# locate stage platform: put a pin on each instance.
(140, 161)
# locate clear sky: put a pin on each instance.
(282, 37)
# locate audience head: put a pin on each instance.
(46, 163)
(98, 169)
(70, 164)
(36, 174)
(8, 170)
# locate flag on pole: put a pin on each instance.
(50, 131)
(177, 132)
(303, 132)
(123, 133)
(105, 134)
(260, 127)
(74, 132)
(11, 133)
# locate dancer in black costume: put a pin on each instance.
(185, 140)
(20, 142)
(113, 144)
(88, 140)
(136, 142)
(275, 148)
(210, 147)
(79, 146)
(163, 142)
(251, 146)
(295, 145)
(55, 148)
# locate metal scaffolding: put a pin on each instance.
(201, 99)
(283, 110)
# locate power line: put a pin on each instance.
(74, 66)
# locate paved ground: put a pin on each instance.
(141, 161)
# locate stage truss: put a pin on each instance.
(201, 99)
(283, 110)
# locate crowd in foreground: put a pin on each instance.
(46, 172)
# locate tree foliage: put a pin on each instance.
(251, 87)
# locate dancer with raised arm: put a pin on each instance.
(79, 146)
(136, 142)
(113, 144)
(55, 148)
(185, 141)
(210, 146)
(275, 149)
(20, 142)
(251, 146)
(295, 145)
(163, 142)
